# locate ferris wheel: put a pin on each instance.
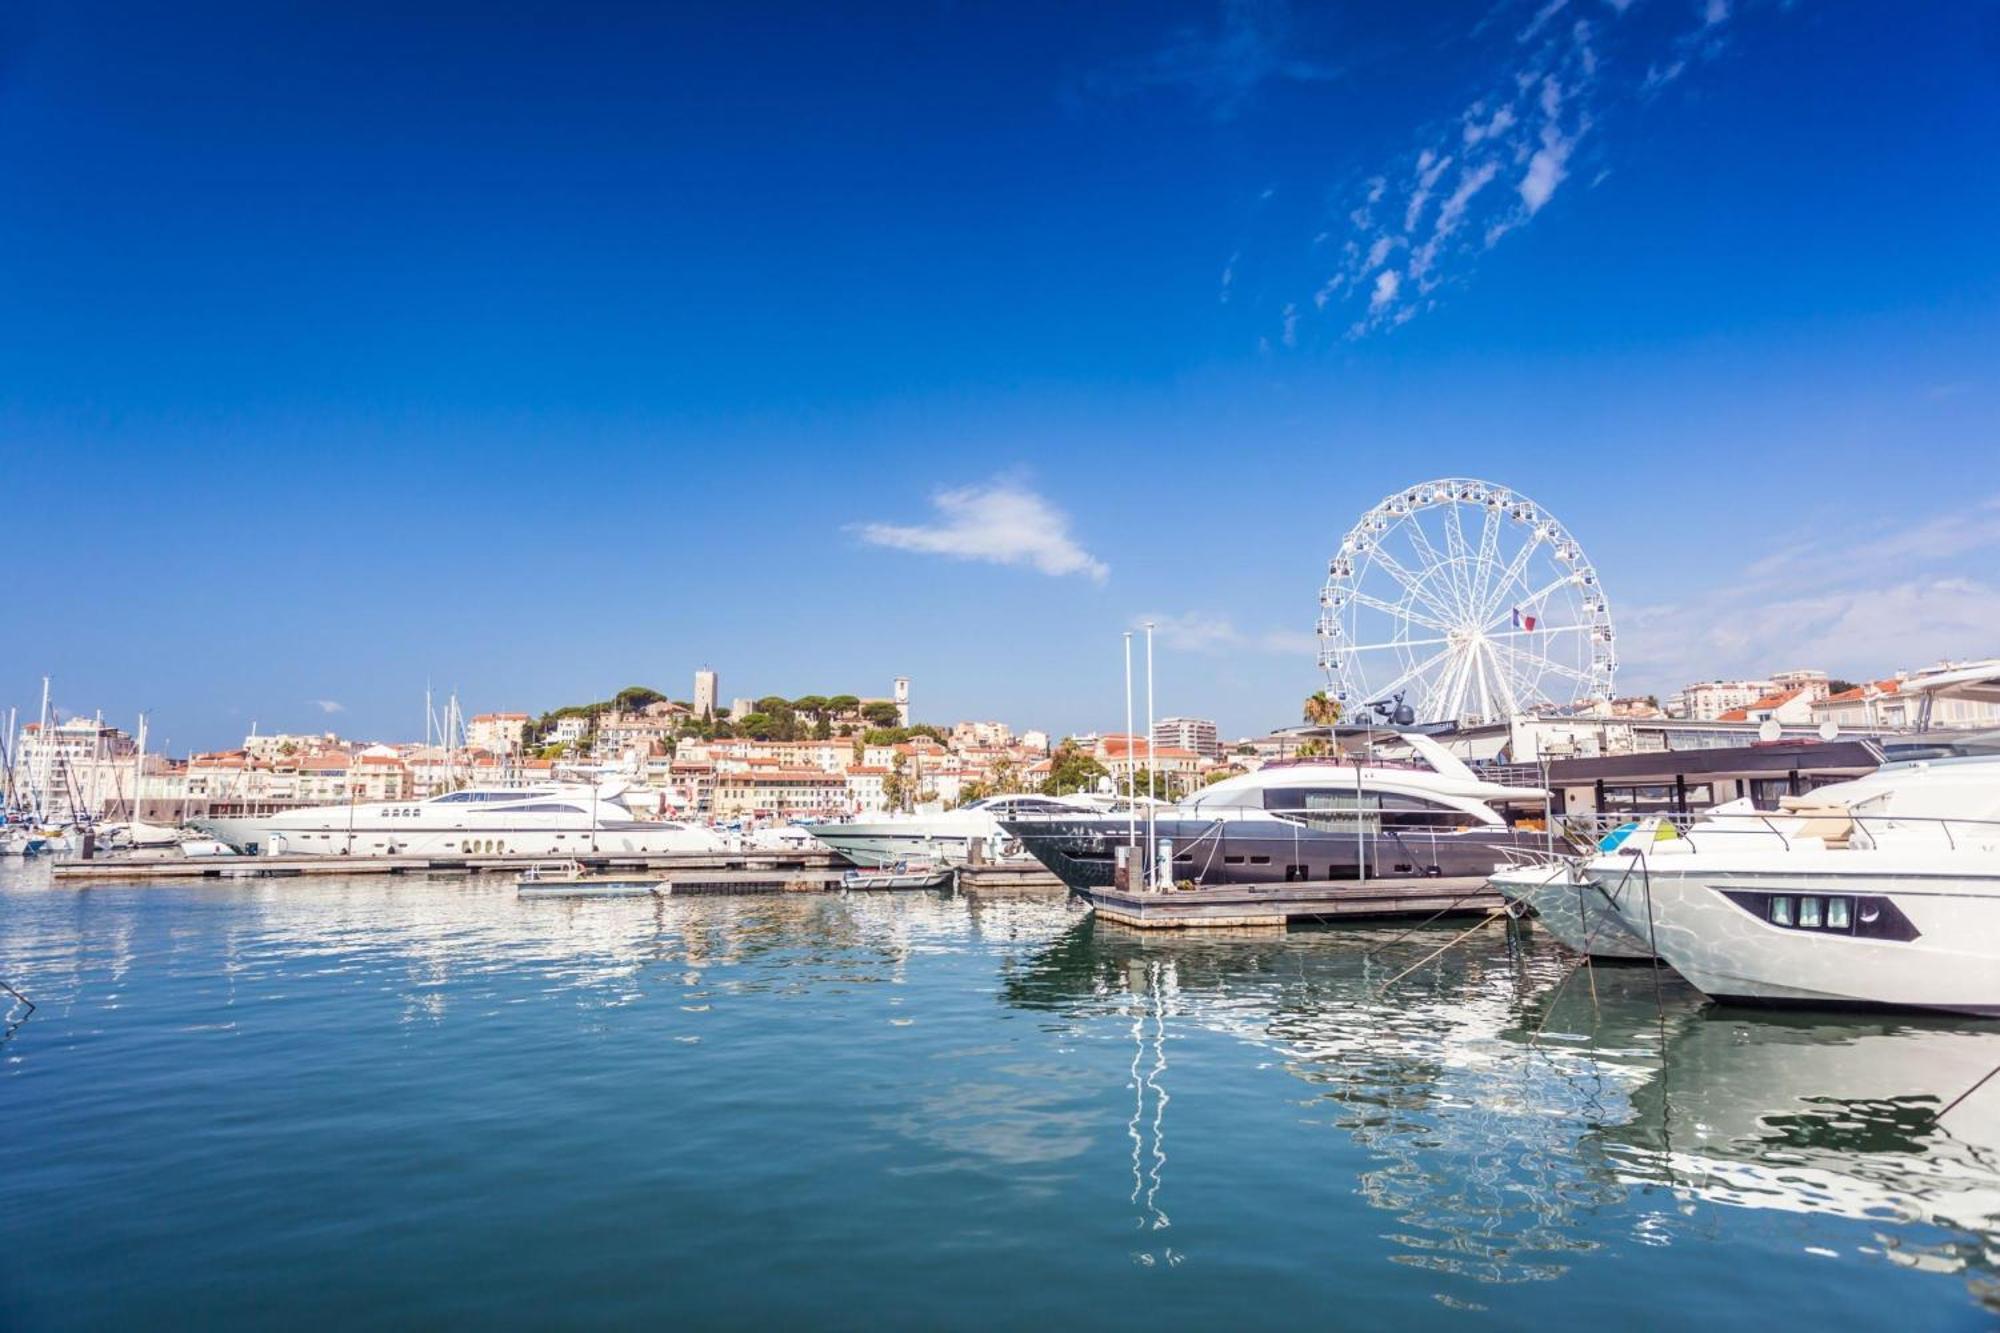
(1462, 601)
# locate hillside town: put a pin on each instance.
(844, 755)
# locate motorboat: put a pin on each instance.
(950, 837)
(1368, 817)
(569, 879)
(902, 875)
(1879, 892)
(526, 823)
(1569, 907)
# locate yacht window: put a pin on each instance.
(1870, 913)
(1809, 915)
(1260, 860)
(1781, 910)
(1836, 914)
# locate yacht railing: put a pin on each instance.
(1587, 832)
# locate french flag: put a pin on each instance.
(1521, 621)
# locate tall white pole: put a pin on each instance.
(1152, 823)
(1131, 765)
(48, 754)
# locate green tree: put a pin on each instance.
(896, 787)
(882, 713)
(635, 697)
(758, 726)
(973, 791)
(822, 728)
(812, 705)
(1071, 770)
(1322, 709)
(842, 704)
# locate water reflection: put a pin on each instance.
(1510, 1115)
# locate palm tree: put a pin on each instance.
(1322, 710)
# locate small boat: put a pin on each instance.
(902, 875)
(568, 879)
(21, 842)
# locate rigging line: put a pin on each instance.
(1963, 1095)
(1481, 924)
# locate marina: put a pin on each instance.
(250, 1085)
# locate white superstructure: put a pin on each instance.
(537, 822)
(946, 836)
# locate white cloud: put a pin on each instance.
(1000, 523)
(1386, 283)
(1548, 86)
(1861, 606)
(1546, 169)
(328, 706)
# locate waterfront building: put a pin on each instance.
(1124, 756)
(1787, 704)
(379, 774)
(782, 791)
(501, 733)
(570, 729)
(1036, 741)
(1890, 705)
(1188, 733)
(981, 735)
(706, 684)
(1706, 701)
(867, 790)
(281, 744)
(70, 768)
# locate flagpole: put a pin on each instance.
(1152, 804)
(1131, 772)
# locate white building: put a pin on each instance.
(497, 733)
(1708, 700)
(1188, 733)
(706, 685)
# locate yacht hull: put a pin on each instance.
(1083, 852)
(1911, 940)
(1571, 909)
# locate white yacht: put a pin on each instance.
(948, 836)
(1883, 891)
(536, 823)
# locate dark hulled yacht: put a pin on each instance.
(1306, 820)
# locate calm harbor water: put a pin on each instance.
(411, 1103)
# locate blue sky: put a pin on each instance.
(543, 349)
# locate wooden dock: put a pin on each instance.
(770, 865)
(1010, 879)
(1277, 906)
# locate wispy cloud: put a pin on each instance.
(1001, 523)
(1253, 42)
(1828, 603)
(1205, 632)
(1556, 70)
(328, 706)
